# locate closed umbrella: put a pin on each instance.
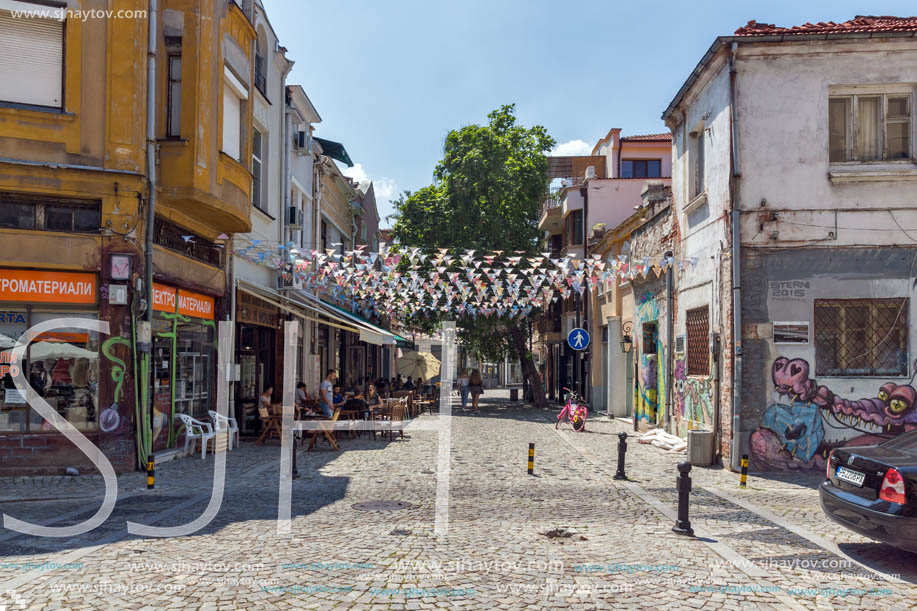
(6, 341)
(59, 350)
(418, 365)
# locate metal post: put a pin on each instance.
(744, 478)
(622, 450)
(532, 459)
(683, 483)
(150, 472)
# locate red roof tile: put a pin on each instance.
(861, 23)
(648, 137)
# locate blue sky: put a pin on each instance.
(391, 77)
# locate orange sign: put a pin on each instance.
(163, 298)
(195, 304)
(68, 337)
(47, 287)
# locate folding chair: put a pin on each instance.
(326, 428)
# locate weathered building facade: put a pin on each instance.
(794, 155)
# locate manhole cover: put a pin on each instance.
(427, 472)
(400, 532)
(381, 506)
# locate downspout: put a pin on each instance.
(735, 449)
(150, 213)
(670, 339)
(587, 381)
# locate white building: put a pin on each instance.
(800, 141)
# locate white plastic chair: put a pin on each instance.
(225, 423)
(196, 429)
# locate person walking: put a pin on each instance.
(476, 387)
(463, 387)
(325, 393)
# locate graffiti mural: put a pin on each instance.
(807, 420)
(649, 381)
(693, 400)
(110, 419)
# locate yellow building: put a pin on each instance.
(74, 195)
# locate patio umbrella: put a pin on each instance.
(59, 350)
(416, 365)
(6, 341)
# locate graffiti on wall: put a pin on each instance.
(693, 400)
(807, 420)
(110, 419)
(649, 381)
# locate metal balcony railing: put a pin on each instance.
(180, 240)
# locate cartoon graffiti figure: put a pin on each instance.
(807, 420)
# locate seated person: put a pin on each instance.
(337, 397)
(301, 398)
(373, 400)
(409, 385)
(264, 399)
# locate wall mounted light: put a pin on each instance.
(627, 341)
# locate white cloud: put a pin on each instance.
(386, 188)
(573, 148)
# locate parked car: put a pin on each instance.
(872, 490)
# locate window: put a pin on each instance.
(32, 212)
(861, 337)
(641, 168)
(698, 325)
(260, 68)
(869, 127)
(35, 77)
(696, 161)
(234, 92)
(324, 236)
(173, 110)
(363, 231)
(256, 168)
(575, 228)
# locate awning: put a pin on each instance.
(335, 150)
(370, 333)
(294, 306)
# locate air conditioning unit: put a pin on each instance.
(294, 282)
(680, 344)
(294, 217)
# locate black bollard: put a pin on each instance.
(531, 459)
(150, 472)
(295, 471)
(683, 483)
(622, 450)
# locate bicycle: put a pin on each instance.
(574, 411)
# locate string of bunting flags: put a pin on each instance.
(472, 282)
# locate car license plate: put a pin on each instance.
(851, 477)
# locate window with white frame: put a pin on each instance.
(257, 167)
(868, 124)
(173, 110)
(32, 52)
(696, 161)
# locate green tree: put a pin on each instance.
(486, 195)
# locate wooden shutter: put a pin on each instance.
(32, 52)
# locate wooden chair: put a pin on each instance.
(326, 428)
(270, 425)
(393, 418)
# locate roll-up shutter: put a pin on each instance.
(32, 50)
(232, 125)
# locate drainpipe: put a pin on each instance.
(735, 450)
(151, 207)
(670, 339)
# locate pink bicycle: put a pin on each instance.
(574, 411)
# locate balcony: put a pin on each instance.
(551, 219)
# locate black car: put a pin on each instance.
(872, 490)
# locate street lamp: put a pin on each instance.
(627, 341)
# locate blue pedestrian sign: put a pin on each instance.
(578, 339)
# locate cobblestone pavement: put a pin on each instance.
(567, 537)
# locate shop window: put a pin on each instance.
(13, 323)
(62, 366)
(861, 337)
(194, 350)
(20, 211)
(698, 327)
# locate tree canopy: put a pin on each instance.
(486, 194)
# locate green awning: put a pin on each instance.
(335, 150)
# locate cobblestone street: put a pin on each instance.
(568, 537)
